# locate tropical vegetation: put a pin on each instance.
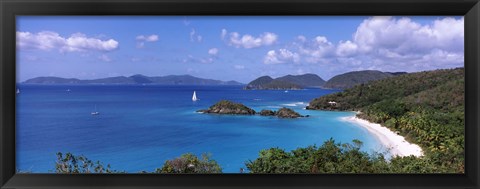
(350, 79)
(186, 163)
(425, 107)
(334, 157)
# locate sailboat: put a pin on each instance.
(95, 112)
(194, 97)
(18, 91)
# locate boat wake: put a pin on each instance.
(295, 104)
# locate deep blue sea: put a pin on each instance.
(139, 127)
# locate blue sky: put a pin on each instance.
(233, 48)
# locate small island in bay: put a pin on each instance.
(267, 113)
(287, 113)
(229, 107)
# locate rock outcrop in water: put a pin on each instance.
(228, 107)
(287, 113)
(267, 113)
(281, 113)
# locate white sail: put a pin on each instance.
(95, 112)
(18, 91)
(194, 97)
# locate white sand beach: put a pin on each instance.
(396, 144)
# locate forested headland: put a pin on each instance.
(425, 107)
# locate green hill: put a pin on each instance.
(306, 80)
(281, 85)
(425, 107)
(288, 82)
(259, 82)
(350, 79)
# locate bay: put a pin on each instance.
(141, 126)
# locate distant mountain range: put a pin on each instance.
(135, 79)
(290, 82)
(342, 81)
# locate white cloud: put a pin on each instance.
(301, 38)
(271, 58)
(213, 51)
(384, 32)
(315, 50)
(195, 37)
(400, 43)
(78, 42)
(444, 57)
(281, 56)
(248, 41)
(142, 39)
(404, 36)
(383, 43)
(321, 40)
(346, 48)
(269, 38)
(45, 40)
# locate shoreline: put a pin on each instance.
(396, 144)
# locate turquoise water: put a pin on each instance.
(139, 127)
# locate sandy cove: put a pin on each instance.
(396, 144)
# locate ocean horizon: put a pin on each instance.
(139, 127)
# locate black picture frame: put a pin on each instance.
(9, 9)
